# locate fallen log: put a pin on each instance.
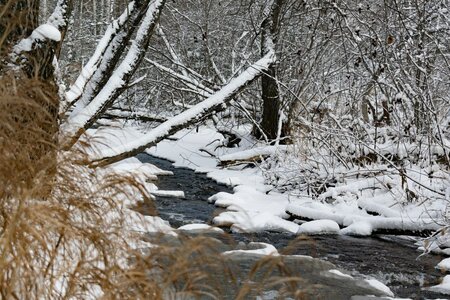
(193, 115)
(253, 155)
(138, 116)
(377, 224)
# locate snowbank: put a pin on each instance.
(319, 227)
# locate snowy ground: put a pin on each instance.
(255, 206)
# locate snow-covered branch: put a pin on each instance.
(92, 65)
(216, 102)
(79, 121)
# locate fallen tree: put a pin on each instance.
(217, 102)
(363, 226)
(80, 120)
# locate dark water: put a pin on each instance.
(393, 261)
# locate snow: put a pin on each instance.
(135, 164)
(319, 227)
(380, 286)
(339, 273)
(255, 206)
(444, 265)
(42, 33)
(443, 287)
(200, 228)
(57, 18)
(250, 153)
(173, 194)
(49, 32)
(358, 229)
(263, 250)
(192, 113)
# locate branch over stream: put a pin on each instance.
(217, 102)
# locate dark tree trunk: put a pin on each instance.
(30, 102)
(18, 19)
(271, 104)
(270, 91)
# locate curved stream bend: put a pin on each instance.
(393, 261)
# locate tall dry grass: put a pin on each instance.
(60, 226)
(65, 229)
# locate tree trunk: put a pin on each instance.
(29, 123)
(80, 121)
(18, 19)
(270, 91)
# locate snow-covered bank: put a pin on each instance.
(359, 205)
(256, 206)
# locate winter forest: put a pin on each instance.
(224, 149)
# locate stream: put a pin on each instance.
(392, 260)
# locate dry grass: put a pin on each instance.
(65, 228)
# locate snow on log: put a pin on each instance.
(169, 194)
(91, 66)
(78, 122)
(310, 214)
(39, 35)
(134, 115)
(366, 225)
(319, 227)
(113, 53)
(250, 155)
(373, 208)
(216, 102)
(52, 31)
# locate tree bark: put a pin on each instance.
(270, 90)
(18, 19)
(31, 131)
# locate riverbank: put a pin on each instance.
(392, 261)
(253, 206)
